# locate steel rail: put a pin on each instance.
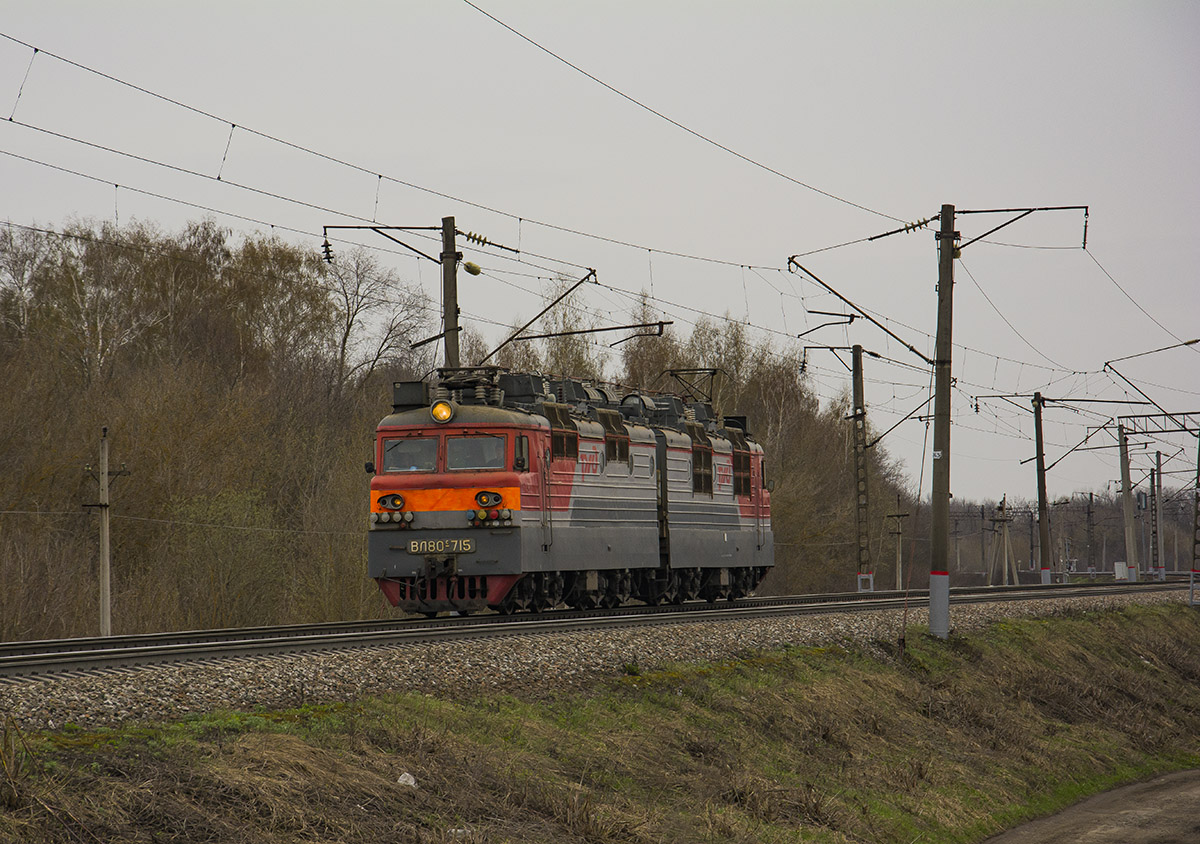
(56, 657)
(235, 634)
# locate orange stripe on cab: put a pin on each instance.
(433, 500)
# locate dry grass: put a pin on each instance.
(947, 743)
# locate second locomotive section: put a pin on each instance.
(500, 490)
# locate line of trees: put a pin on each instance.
(241, 379)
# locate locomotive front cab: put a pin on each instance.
(446, 505)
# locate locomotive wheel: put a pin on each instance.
(621, 584)
(711, 590)
(615, 588)
(577, 595)
(689, 584)
(737, 584)
(676, 589)
(507, 605)
(547, 591)
(608, 598)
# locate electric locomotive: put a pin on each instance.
(510, 491)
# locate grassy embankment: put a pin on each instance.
(945, 743)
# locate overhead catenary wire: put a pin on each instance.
(1137, 304)
(731, 263)
(520, 219)
(314, 206)
(676, 123)
(290, 199)
(379, 177)
(1007, 321)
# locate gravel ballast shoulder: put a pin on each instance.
(544, 662)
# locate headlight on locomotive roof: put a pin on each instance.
(442, 411)
(392, 502)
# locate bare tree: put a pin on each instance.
(93, 299)
(377, 316)
(23, 255)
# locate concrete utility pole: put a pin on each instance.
(1195, 535)
(450, 258)
(1091, 534)
(105, 580)
(1159, 538)
(991, 563)
(1002, 547)
(957, 551)
(1131, 543)
(866, 572)
(898, 533)
(1043, 508)
(939, 530)
(1032, 565)
(102, 477)
(1175, 556)
(982, 540)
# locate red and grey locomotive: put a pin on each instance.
(502, 490)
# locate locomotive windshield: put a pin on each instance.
(411, 454)
(475, 453)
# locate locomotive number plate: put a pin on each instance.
(441, 546)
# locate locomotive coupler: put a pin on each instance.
(440, 565)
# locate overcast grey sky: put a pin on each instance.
(896, 107)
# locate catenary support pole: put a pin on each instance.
(1043, 508)
(450, 257)
(1131, 542)
(858, 416)
(939, 529)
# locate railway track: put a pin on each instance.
(65, 656)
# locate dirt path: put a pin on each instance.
(1162, 811)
